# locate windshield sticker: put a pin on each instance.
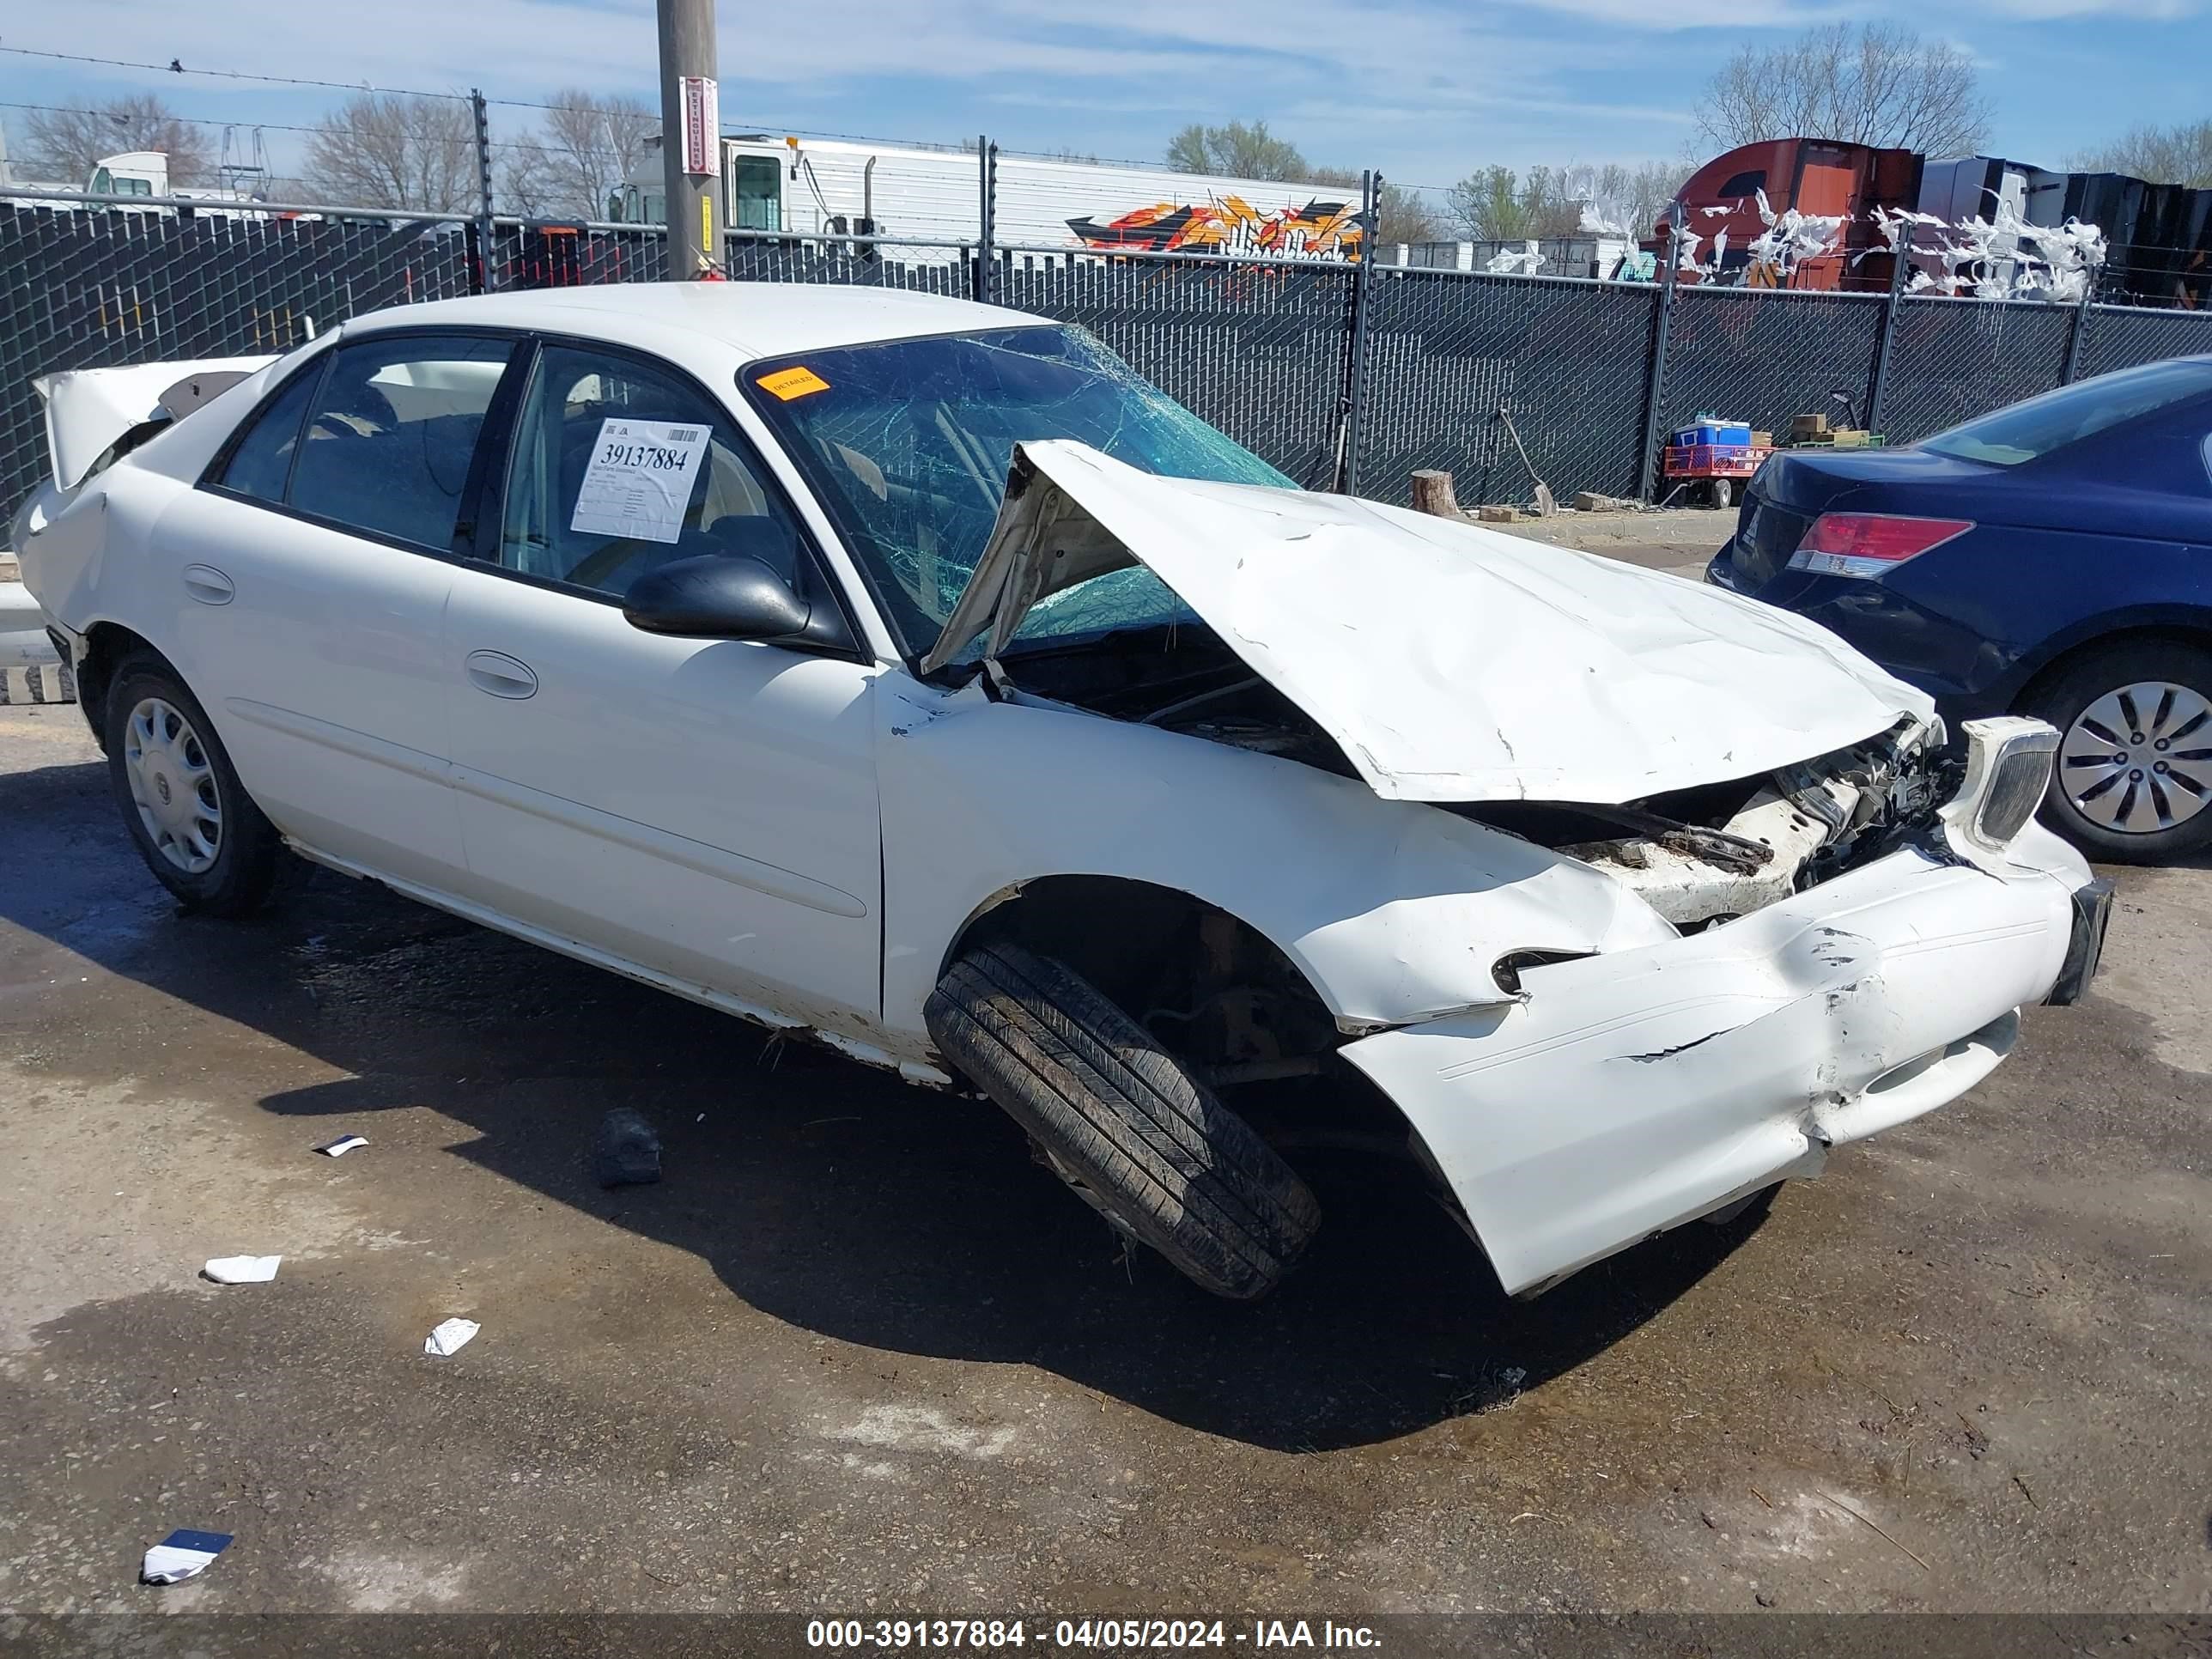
(789, 383)
(639, 482)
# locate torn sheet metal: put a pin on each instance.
(1449, 663)
(88, 408)
(1632, 1091)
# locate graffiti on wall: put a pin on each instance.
(1325, 230)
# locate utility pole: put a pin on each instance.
(690, 138)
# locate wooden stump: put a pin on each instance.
(1433, 493)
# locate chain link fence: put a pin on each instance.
(1466, 371)
(1328, 370)
(1955, 359)
(101, 288)
(1761, 356)
(2124, 337)
(1257, 347)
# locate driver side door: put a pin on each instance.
(702, 809)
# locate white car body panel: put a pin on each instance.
(88, 408)
(318, 653)
(1447, 661)
(802, 838)
(705, 808)
(1635, 1091)
(1395, 911)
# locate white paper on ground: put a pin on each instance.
(640, 479)
(242, 1269)
(183, 1554)
(451, 1337)
(341, 1146)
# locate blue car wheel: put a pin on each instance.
(2134, 779)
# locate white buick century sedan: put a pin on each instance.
(908, 673)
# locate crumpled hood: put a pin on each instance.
(1450, 663)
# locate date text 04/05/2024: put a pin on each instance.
(1086, 1633)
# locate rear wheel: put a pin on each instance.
(1121, 1120)
(2133, 782)
(181, 801)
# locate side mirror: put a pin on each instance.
(717, 596)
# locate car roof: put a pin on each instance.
(755, 319)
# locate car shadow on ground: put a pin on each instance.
(826, 1194)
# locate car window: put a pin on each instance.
(2036, 427)
(1744, 183)
(391, 432)
(907, 443)
(261, 460)
(619, 468)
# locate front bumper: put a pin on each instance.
(1629, 1092)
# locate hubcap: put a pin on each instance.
(173, 786)
(2139, 760)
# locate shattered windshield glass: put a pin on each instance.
(907, 443)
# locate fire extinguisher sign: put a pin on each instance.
(702, 124)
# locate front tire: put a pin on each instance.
(1123, 1121)
(2133, 783)
(198, 831)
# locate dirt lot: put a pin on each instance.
(858, 1352)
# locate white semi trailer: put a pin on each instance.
(828, 187)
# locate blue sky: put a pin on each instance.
(1423, 89)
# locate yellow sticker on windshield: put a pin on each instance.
(789, 383)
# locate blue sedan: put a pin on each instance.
(2053, 559)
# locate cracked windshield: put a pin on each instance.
(909, 444)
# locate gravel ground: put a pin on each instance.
(858, 1353)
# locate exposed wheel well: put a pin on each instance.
(1150, 948)
(107, 644)
(2155, 634)
(1219, 994)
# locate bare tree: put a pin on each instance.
(1631, 198)
(385, 149)
(1244, 152)
(1871, 83)
(586, 147)
(2179, 155)
(64, 144)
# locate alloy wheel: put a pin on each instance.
(2139, 759)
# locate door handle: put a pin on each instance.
(208, 585)
(501, 675)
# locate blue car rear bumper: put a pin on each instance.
(1969, 674)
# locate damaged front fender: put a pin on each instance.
(1394, 911)
(1633, 1091)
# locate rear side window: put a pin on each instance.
(2037, 428)
(261, 461)
(1744, 183)
(391, 432)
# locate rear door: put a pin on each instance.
(312, 571)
